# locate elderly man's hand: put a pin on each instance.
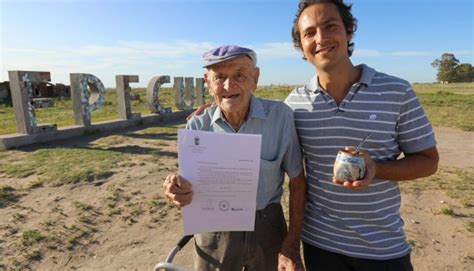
(370, 170)
(178, 190)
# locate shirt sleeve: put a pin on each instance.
(293, 158)
(194, 123)
(414, 131)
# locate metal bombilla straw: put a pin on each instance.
(361, 143)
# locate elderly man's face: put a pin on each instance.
(232, 83)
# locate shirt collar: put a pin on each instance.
(366, 78)
(256, 110)
(367, 75)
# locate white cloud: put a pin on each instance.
(377, 53)
(180, 57)
(366, 53)
(146, 59)
(124, 57)
(276, 50)
(410, 53)
(177, 49)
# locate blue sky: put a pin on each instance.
(167, 37)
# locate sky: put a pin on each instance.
(167, 37)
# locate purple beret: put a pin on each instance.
(226, 52)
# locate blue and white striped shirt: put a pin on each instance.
(366, 223)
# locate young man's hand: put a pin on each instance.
(370, 170)
(199, 110)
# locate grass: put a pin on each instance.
(158, 202)
(62, 114)
(449, 109)
(31, 237)
(83, 206)
(59, 166)
(34, 255)
(274, 92)
(75, 234)
(450, 105)
(86, 219)
(8, 195)
(447, 211)
(456, 183)
(470, 226)
(87, 213)
(457, 88)
(164, 129)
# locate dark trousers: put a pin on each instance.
(317, 259)
(250, 251)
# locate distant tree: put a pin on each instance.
(465, 72)
(446, 66)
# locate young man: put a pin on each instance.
(232, 77)
(354, 225)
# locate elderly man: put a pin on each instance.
(354, 225)
(232, 77)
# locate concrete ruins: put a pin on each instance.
(40, 90)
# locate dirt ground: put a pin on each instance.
(124, 223)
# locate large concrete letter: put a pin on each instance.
(152, 94)
(200, 91)
(123, 96)
(179, 92)
(184, 98)
(21, 86)
(82, 85)
(189, 96)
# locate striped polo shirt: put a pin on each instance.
(364, 223)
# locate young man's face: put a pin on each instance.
(323, 36)
(232, 83)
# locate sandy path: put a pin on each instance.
(456, 147)
(142, 235)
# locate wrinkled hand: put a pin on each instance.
(178, 190)
(199, 110)
(370, 170)
(289, 258)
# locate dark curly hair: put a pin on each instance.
(350, 23)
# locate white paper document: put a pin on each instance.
(223, 169)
